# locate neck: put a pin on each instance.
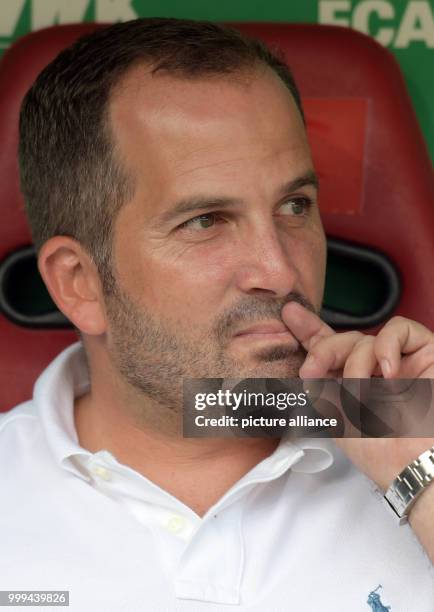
(195, 471)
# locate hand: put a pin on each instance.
(402, 349)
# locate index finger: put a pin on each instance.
(305, 325)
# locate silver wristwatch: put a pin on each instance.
(409, 484)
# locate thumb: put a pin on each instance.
(305, 325)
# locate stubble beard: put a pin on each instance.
(155, 357)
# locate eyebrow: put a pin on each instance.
(200, 203)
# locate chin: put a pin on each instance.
(273, 369)
(273, 363)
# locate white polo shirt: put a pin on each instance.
(302, 531)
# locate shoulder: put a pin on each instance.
(18, 428)
(22, 415)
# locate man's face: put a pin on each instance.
(223, 229)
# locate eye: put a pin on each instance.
(201, 222)
(296, 207)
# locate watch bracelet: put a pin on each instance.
(410, 483)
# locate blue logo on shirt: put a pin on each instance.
(375, 602)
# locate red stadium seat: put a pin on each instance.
(377, 188)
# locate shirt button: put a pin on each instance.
(100, 471)
(175, 524)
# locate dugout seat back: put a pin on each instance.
(376, 196)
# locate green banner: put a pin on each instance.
(406, 27)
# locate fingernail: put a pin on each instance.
(386, 368)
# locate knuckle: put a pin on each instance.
(317, 343)
(366, 339)
(348, 338)
(396, 320)
(357, 335)
(428, 351)
(317, 350)
(350, 362)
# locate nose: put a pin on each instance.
(266, 267)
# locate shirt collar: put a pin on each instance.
(67, 377)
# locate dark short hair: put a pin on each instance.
(72, 181)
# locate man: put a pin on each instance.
(173, 202)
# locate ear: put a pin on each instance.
(73, 282)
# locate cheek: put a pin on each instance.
(311, 263)
(194, 281)
(173, 281)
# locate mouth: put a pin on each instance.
(266, 332)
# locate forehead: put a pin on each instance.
(170, 130)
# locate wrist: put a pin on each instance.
(410, 485)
